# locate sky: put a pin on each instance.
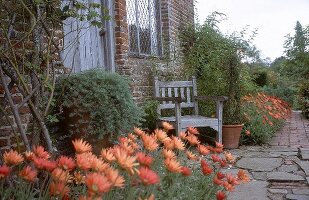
(273, 19)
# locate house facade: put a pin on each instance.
(138, 41)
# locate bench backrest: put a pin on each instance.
(184, 89)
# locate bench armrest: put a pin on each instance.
(175, 99)
(214, 98)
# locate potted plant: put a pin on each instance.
(232, 117)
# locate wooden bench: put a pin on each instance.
(183, 94)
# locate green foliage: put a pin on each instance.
(151, 115)
(303, 98)
(215, 59)
(105, 96)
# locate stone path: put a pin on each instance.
(280, 170)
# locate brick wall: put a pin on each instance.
(140, 71)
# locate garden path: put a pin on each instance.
(279, 170)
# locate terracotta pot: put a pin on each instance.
(231, 135)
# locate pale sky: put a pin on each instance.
(274, 19)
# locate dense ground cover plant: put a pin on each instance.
(303, 98)
(140, 166)
(100, 100)
(264, 114)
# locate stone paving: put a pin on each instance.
(280, 170)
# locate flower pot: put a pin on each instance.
(231, 135)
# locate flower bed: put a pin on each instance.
(264, 115)
(140, 166)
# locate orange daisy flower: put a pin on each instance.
(220, 175)
(128, 148)
(193, 130)
(220, 195)
(4, 171)
(83, 161)
(169, 143)
(227, 186)
(107, 155)
(217, 181)
(78, 178)
(40, 152)
(219, 145)
(229, 157)
(206, 169)
(97, 183)
(147, 176)
(29, 155)
(66, 163)
(143, 159)
(98, 165)
(60, 175)
(231, 179)
(215, 158)
(160, 135)
(132, 137)
(167, 126)
(192, 139)
(183, 135)
(41, 163)
(12, 158)
(150, 142)
(178, 143)
(28, 174)
(81, 146)
(172, 165)
(223, 163)
(192, 156)
(124, 160)
(202, 149)
(114, 177)
(243, 176)
(139, 131)
(185, 171)
(59, 189)
(168, 154)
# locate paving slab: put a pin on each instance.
(304, 165)
(254, 190)
(282, 148)
(301, 191)
(283, 176)
(259, 164)
(275, 191)
(296, 197)
(304, 152)
(287, 168)
(259, 175)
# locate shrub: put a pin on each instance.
(264, 115)
(100, 102)
(139, 167)
(303, 98)
(151, 115)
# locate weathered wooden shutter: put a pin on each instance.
(83, 45)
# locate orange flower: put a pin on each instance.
(60, 175)
(220, 195)
(206, 169)
(178, 143)
(4, 171)
(223, 163)
(29, 155)
(168, 154)
(139, 131)
(172, 165)
(192, 139)
(114, 178)
(167, 126)
(41, 163)
(243, 176)
(40, 152)
(98, 165)
(127, 147)
(59, 189)
(78, 178)
(215, 158)
(217, 181)
(228, 186)
(124, 160)
(81, 146)
(202, 149)
(150, 142)
(169, 143)
(132, 137)
(160, 135)
(97, 183)
(12, 158)
(183, 135)
(147, 176)
(151, 197)
(108, 155)
(231, 179)
(82, 161)
(193, 130)
(28, 174)
(186, 171)
(229, 157)
(220, 175)
(143, 159)
(191, 156)
(66, 163)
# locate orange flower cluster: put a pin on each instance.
(132, 157)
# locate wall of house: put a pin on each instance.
(140, 70)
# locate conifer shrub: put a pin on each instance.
(97, 103)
